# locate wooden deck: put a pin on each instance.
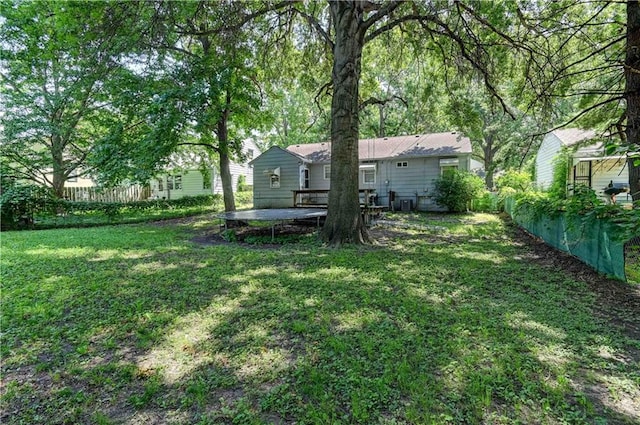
(319, 198)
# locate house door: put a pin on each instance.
(582, 173)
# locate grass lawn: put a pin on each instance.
(449, 321)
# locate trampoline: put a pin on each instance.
(275, 215)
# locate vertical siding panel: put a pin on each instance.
(549, 150)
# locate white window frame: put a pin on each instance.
(274, 181)
(327, 172)
(174, 182)
(368, 171)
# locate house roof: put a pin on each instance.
(571, 136)
(273, 148)
(580, 139)
(419, 145)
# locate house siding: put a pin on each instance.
(606, 171)
(602, 171)
(414, 183)
(316, 177)
(191, 186)
(192, 180)
(264, 196)
(549, 150)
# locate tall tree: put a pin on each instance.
(210, 95)
(632, 96)
(353, 24)
(60, 65)
(498, 140)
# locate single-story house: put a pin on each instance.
(397, 171)
(189, 180)
(588, 164)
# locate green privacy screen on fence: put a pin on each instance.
(596, 243)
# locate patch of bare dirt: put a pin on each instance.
(248, 235)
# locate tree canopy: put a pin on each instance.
(62, 76)
(114, 89)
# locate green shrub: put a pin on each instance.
(242, 184)
(558, 187)
(457, 189)
(112, 209)
(520, 181)
(20, 203)
(244, 198)
(487, 202)
(583, 204)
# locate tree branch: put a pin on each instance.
(392, 24)
(581, 114)
(315, 24)
(448, 32)
(381, 12)
(376, 101)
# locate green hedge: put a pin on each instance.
(114, 208)
(23, 205)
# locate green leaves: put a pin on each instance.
(456, 189)
(60, 71)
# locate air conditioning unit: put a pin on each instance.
(406, 205)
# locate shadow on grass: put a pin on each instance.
(144, 327)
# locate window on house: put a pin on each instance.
(448, 166)
(369, 176)
(275, 181)
(402, 164)
(305, 178)
(446, 170)
(327, 172)
(160, 185)
(174, 182)
(249, 154)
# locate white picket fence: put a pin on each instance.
(117, 194)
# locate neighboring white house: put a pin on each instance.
(399, 171)
(191, 181)
(588, 164)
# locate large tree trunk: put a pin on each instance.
(225, 170)
(59, 175)
(632, 93)
(344, 222)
